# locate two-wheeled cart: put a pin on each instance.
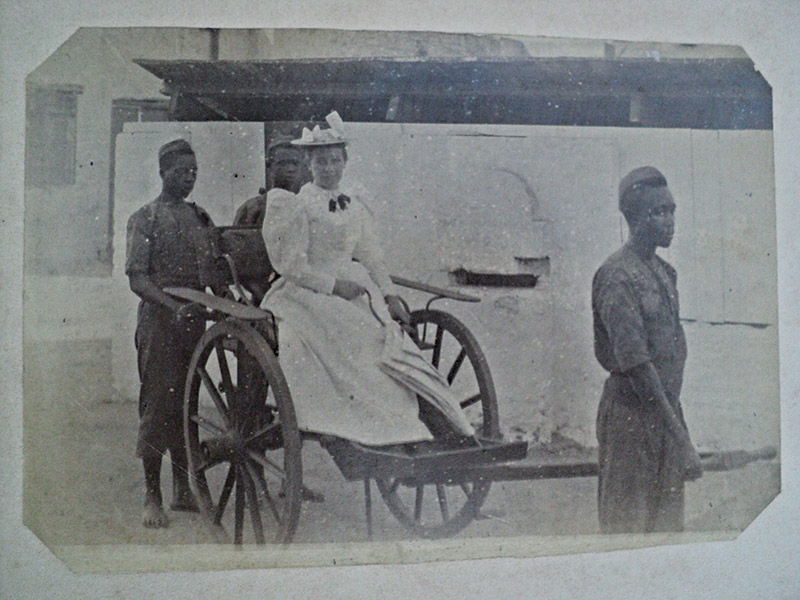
(244, 443)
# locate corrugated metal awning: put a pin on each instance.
(266, 89)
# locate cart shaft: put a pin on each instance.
(534, 468)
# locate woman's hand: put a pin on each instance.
(397, 309)
(347, 289)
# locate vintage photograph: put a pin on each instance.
(394, 296)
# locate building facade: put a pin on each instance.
(493, 162)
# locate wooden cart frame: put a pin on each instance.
(244, 444)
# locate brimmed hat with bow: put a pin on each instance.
(324, 137)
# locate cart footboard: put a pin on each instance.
(434, 489)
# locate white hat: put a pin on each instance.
(324, 137)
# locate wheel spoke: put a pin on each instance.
(418, 503)
(240, 353)
(199, 464)
(202, 468)
(224, 369)
(252, 501)
(267, 464)
(209, 426)
(437, 346)
(241, 380)
(238, 523)
(251, 391)
(236, 444)
(257, 475)
(225, 495)
(262, 433)
(212, 390)
(471, 400)
(456, 365)
(463, 365)
(202, 493)
(441, 494)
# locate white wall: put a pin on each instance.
(80, 211)
(230, 159)
(444, 198)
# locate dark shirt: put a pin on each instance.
(636, 318)
(169, 242)
(252, 211)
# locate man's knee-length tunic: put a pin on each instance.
(636, 320)
(350, 374)
(167, 241)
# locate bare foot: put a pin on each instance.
(154, 516)
(184, 501)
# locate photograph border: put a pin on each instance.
(755, 558)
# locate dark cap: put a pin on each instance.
(280, 141)
(179, 146)
(638, 178)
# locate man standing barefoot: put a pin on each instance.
(645, 451)
(167, 245)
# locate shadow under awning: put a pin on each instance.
(688, 93)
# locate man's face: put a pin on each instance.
(180, 176)
(284, 168)
(327, 166)
(659, 220)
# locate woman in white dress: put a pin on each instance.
(351, 370)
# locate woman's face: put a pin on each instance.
(327, 166)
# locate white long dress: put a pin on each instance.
(349, 373)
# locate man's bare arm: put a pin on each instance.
(143, 286)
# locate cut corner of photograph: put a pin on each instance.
(495, 183)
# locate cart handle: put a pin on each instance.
(219, 304)
(432, 289)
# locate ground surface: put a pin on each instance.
(83, 484)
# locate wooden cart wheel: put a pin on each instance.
(445, 508)
(242, 439)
